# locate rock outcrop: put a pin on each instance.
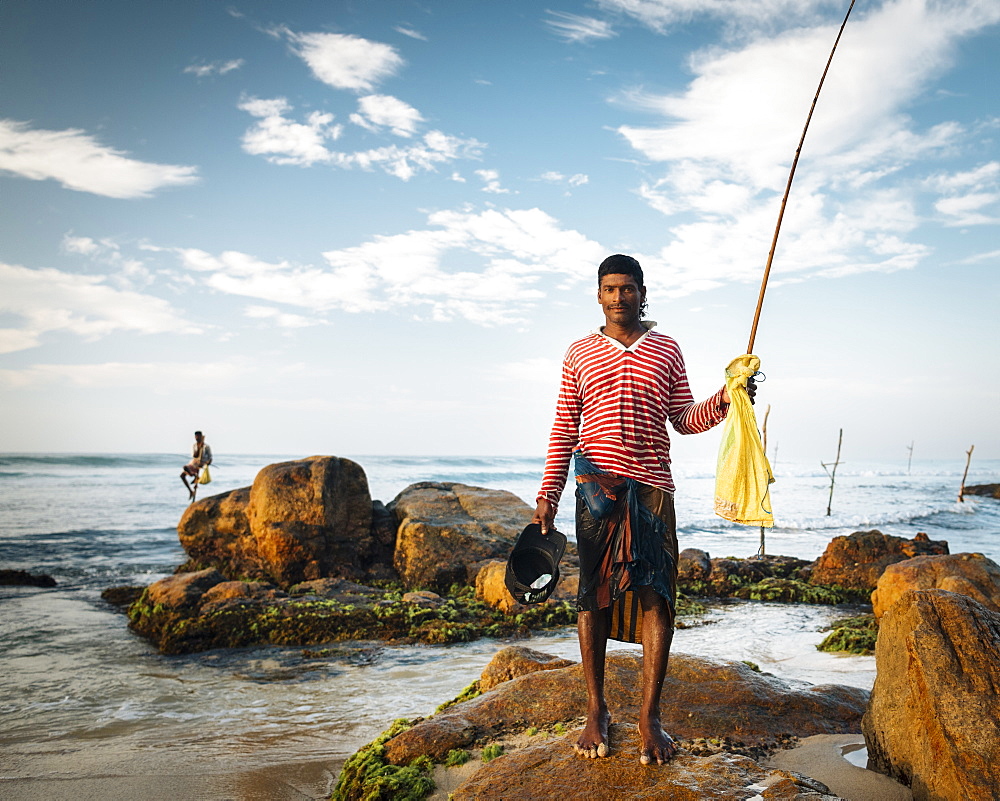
(311, 519)
(215, 531)
(694, 564)
(301, 520)
(701, 698)
(183, 590)
(857, 560)
(516, 660)
(444, 528)
(970, 574)
(984, 490)
(22, 578)
(552, 770)
(725, 716)
(932, 721)
(767, 578)
(201, 610)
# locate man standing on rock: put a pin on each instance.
(620, 386)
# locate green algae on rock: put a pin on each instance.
(367, 776)
(789, 590)
(855, 635)
(311, 620)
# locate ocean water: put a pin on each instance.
(87, 709)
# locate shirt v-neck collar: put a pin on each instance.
(649, 325)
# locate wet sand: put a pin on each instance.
(821, 757)
(301, 781)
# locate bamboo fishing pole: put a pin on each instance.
(788, 186)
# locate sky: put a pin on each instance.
(373, 227)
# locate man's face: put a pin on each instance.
(620, 298)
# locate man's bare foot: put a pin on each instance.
(593, 741)
(656, 745)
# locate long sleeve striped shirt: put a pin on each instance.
(615, 402)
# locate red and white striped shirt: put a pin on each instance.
(614, 403)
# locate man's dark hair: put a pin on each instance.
(620, 264)
(197, 433)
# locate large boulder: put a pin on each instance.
(215, 531)
(446, 529)
(311, 518)
(857, 560)
(701, 698)
(301, 520)
(970, 574)
(932, 721)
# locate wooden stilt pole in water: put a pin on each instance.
(833, 474)
(965, 475)
(788, 186)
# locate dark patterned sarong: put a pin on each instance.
(626, 537)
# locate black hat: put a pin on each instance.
(534, 556)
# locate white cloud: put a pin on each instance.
(489, 267)
(83, 245)
(278, 317)
(78, 161)
(346, 62)
(984, 175)
(129, 273)
(972, 197)
(574, 28)
(204, 70)
(969, 209)
(738, 15)
(159, 377)
(491, 179)
(730, 135)
(49, 301)
(553, 177)
(377, 111)
(411, 32)
(283, 141)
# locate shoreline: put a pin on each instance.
(310, 780)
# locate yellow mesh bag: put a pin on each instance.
(743, 474)
(204, 477)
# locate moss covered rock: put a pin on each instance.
(367, 776)
(794, 591)
(855, 635)
(256, 618)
